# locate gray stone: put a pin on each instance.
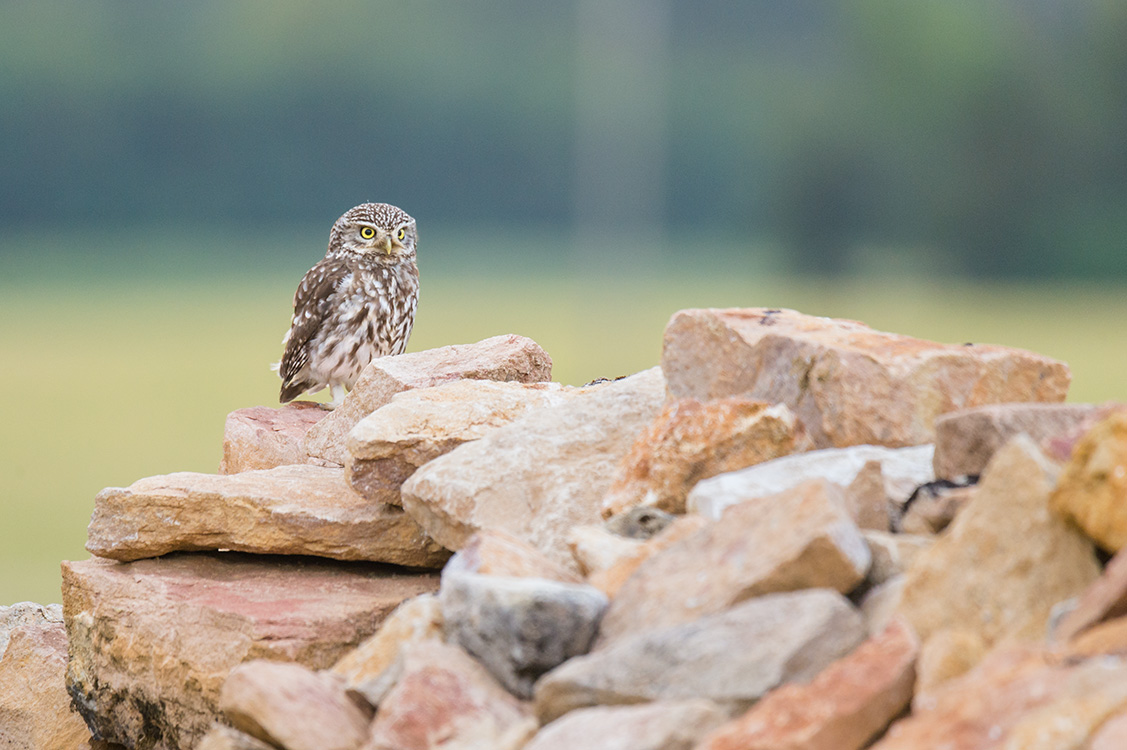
(733, 657)
(519, 628)
(903, 469)
(539, 476)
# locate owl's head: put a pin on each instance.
(376, 231)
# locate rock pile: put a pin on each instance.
(796, 532)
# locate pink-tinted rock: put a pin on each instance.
(798, 539)
(223, 737)
(661, 725)
(846, 383)
(690, 441)
(152, 641)
(1105, 599)
(292, 706)
(445, 699)
(288, 510)
(843, 708)
(506, 358)
(35, 710)
(611, 579)
(259, 437)
(965, 440)
(1111, 735)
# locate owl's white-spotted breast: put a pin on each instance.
(357, 304)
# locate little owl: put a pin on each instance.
(358, 303)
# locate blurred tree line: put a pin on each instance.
(988, 134)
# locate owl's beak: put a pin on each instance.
(386, 244)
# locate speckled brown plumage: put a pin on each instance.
(356, 304)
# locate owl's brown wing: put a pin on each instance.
(312, 304)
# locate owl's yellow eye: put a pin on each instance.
(367, 233)
(402, 233)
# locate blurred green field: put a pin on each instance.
(108, 379)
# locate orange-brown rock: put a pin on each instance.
(421, 424)
(690, 441)
(610, 579)
(259, 437)
(1005, 561)
(288, 510)
(1093, 488)
(1017, 698)
(846, 383)
(849, 703)
(506, 358)
(151, 642)
(35, 710)
(798, 539)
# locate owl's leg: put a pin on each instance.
(338, 391)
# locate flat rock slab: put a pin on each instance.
(503, 358)
(35, 710)
(259, 437)
(800, 538)
(152, 641)
(847, 383)
(422, 424)
(732, 658)
(288, 510)
(902, 470)
(965, 440)
(540, 476)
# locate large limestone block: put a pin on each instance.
(901, 469)
(291, 706)
(847, 383)
(691, 441)
(152, 641)
(732, 658)
(802, 538)
(966, 439)
(1018, 698)
(843, 708)
(661, 725)
(259, 437)
(1005, 560)
(35, 710)
(445, 699)
(539, 476)
(288, 510)
(1093, 488)
(504, 358)
(419, 425)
